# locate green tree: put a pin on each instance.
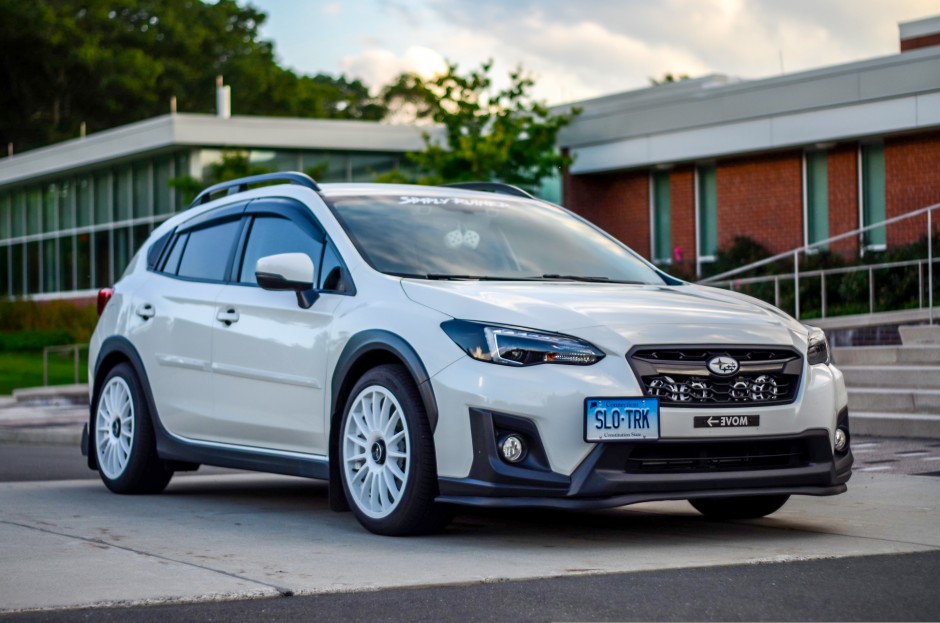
(111, 62)
(233, 164)
(667, 78)
(490, 134)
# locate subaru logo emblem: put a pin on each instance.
(722, 366)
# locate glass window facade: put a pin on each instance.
(872, 160)
(662, 226)
(817, 197)
(77, 231)
(707, 212)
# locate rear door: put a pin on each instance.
(174, 316)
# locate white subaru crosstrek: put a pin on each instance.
(426, 347)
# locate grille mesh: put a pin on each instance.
(680, 376)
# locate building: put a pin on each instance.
(677, 171)
(72, 214)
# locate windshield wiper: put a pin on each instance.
(589, 279)
(447, 276)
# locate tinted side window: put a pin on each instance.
(173, 260)
(332, 271)
(271, 235)
(207, 251)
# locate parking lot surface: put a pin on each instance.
(214, 537)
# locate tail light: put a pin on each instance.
(104, 295)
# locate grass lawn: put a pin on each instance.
(24, 369)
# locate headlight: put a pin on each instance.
(818, 349)
(515, 346)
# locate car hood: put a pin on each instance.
(641, 314)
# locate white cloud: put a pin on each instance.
(379, 66)
(595, 46)
(333, 8)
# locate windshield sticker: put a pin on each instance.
(457, 201)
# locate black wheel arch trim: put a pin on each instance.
(116, 344)
(357, 347)
(370, 341)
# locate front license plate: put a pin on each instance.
(725, 421)
(621, 419)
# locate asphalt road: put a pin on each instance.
(899, 587)
(890, 587)
(28, 462)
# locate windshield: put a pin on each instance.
(439, 237)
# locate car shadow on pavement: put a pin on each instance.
(537, 526)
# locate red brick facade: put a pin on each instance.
(920, 42)
(912, 181)
(618, 203)
(761, 197)
(682, 217)
(843, 195)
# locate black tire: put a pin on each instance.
(141, 470)
(743, 507)
(414, 512)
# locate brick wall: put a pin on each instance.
(761, 197)
(682, 216)
(843, 196)
(920, 42)
(912, 181)
(617, 202)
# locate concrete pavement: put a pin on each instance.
(73, 543)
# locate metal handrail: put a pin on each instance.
(721, 278)
(823, 273)
(75, 349)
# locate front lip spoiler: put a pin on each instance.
(601, 482)
(633, 498)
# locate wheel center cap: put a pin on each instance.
(116, 428)
(378, 452)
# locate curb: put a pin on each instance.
(53, 436)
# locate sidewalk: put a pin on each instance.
(44, 415)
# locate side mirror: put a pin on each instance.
(288, 272)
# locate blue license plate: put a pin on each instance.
(621, 419)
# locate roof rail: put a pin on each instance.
(241, 184)
(494, 187)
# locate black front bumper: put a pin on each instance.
(616, 474)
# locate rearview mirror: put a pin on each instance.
(288, 272)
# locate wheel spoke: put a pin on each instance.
(390, 485)
(376, 481)
(114, 427)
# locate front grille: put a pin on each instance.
(681, 376)
(666, 457)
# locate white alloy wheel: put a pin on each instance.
(114, 427)
(376, 451)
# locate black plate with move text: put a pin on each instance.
(726, 421)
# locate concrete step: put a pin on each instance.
(893, 376)
(52, 394)
(895, 424)
(924, 401)
(920, 334)
(875, 355)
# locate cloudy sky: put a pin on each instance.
(583, 48)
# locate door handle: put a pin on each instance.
(228, 316)
(146, 311)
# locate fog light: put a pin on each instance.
(512, 448)
(842, 440)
